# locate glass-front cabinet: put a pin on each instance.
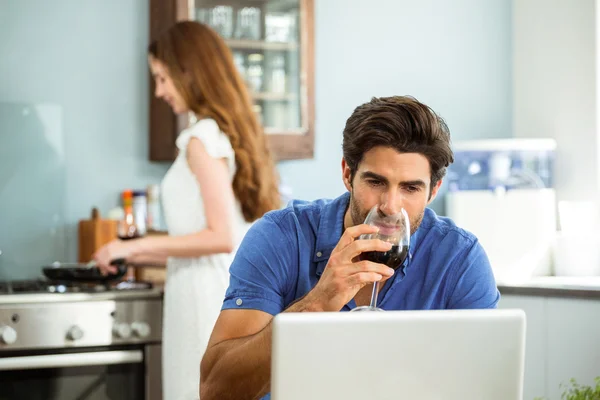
(272, 45)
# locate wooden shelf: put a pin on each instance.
(260, 45)
(268, 96)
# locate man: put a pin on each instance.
(305, 258)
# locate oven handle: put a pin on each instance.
(71, 360)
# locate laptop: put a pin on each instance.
(391, 355)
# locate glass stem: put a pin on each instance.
(374, 295)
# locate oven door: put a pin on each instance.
(75, 374)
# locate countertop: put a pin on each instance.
(561, 286)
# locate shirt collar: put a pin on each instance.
(331, 227)
(427, 222)
(416, 238)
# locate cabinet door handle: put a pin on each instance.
(71, 360)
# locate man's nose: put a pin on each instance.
(391, 202)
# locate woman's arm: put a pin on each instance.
(218, 236)
(148, 260)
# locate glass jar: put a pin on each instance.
(238, 60)
(258, 112)
(278, 75)
(248, 25)
(254, 73)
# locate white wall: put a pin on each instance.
(555, 90)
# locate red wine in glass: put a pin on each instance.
(394, 258)
(394, 229)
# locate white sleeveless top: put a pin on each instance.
(195, 287)
(181, 193)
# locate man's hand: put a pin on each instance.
(344, 274)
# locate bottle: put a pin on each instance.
(153, 219)
(254, 72)
(127, 227)
(140, 211)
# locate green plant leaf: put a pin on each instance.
(575, 391)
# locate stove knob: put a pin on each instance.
(74, 333)
(141, 329)
(7, 335)
(122, 330)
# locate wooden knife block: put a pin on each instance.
(93, 234)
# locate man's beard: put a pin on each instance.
(359, 216)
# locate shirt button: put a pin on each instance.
(239, 302)
(319, 254)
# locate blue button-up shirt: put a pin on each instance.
(284, 253)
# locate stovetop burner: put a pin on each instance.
(46, 286)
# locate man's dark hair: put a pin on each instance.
(402, 123)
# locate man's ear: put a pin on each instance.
(434, 191)
(346, 175)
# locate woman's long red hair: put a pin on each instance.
(202, 69)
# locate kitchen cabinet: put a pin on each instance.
(573, 331)
(272, 43)
(562, 342)
(535, 342)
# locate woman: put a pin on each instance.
(222, 179)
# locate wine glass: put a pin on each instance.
(394, 229)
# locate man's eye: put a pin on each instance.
(412, 189)
(373, 182)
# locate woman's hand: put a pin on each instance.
(112, 251)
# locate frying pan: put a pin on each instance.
(76, 272)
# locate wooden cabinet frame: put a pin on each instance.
(165, 126)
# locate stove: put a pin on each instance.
(71, 338)
(46, 291)
(46, 286)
